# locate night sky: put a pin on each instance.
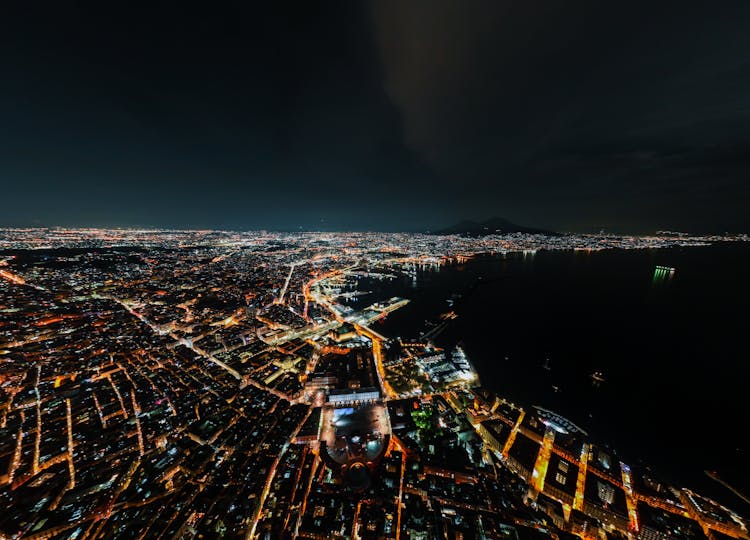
(392, 115)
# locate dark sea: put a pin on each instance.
(673, 352)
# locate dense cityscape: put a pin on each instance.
(218, 384)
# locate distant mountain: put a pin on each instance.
(491, 226)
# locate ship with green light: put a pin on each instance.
(662, 273)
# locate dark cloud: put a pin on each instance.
(564, 113)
